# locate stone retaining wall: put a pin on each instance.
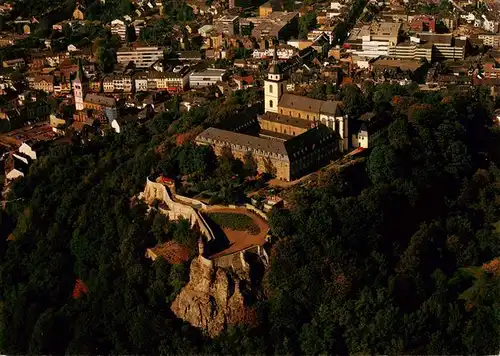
(157, 191)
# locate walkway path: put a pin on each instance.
(241, 240)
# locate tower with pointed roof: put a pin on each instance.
(80, 87)
(274, 85)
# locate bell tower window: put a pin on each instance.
(270, 103)
(271, 89)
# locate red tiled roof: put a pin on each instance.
(172, 251)
(80, 289)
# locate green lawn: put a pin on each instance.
(238, 222)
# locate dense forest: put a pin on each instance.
(395, 253)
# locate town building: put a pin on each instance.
(385, 39)
(18, 63)
(173, 81)
(119, 28)
(142, 57)
(227, 25)
(206, 77)
(101, 103)
(268, 7)
(31, 149)
(206, 30)
(17, 169)
(277, 25)
(492, 40)
(490, 71)
(366, 130)
(79, 12)
(141, 82)
(411, 49)
(44, 83)
(445, 46)
(423, 24)
(284, 52)
(122, 83)
(375, 39)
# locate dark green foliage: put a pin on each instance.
(307, 22)
(109, 10)
(354, 102)
(385, 264)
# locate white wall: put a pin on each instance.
(14, 174)
(25, 149)
(116, 126)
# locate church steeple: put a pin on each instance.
(80, 75)
(274, 68)
(80, 85)
(274, 85)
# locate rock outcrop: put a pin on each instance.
(212, 299)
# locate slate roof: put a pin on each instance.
(303, 103)
(246, 141)
(100, 100)
(331, 108)
(284, 119)
(294, 147)
(310, 140)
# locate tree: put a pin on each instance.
(249, 164)
(269, 167)
(353, 101)
(306, 23)
(105, 59)
(382, 164)
(130, 34)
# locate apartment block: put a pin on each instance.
(490, 40)
(173, 81)
(206, 77)
(411, 50)
(143, 57)
(119, 28)
(118, 83)
(374, 40)
(228, 25)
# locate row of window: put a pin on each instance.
(284, 131)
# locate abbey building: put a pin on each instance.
(297, 135)
(284, 110)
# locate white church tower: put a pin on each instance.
(274, 86)
(80, 86)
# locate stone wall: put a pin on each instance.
(247, 206)
(264, 160)
(157, 191)
(183, 207)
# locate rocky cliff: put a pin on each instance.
(212, 299)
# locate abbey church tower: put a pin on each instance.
(274, 85)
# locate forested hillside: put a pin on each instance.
(394, 254)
